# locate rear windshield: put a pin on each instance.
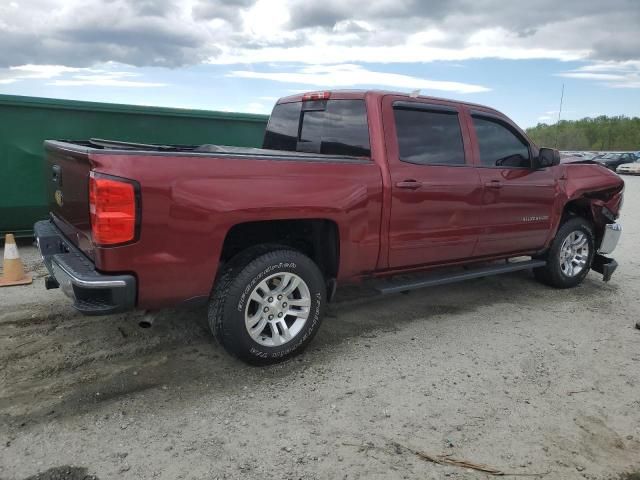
(331, 127)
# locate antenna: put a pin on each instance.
(559, 113)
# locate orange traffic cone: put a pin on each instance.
(13, 273)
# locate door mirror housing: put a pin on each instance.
(547, 157)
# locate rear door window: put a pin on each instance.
(331, 127)
(429, 137)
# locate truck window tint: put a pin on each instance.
(499, 146)
(429, 138)
(282, 129)
(334, 127)
(340, 129)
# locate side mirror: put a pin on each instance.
(547, 157)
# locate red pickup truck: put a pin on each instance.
(349, 186)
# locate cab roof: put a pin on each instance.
(355, 94)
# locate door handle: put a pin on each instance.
(409, 184)
(493, 184)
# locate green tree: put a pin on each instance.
(600, 133)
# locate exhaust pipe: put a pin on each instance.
(146, 321)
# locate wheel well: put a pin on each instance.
(318, 239)
(580, 207)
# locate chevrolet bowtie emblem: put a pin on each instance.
(59, 199)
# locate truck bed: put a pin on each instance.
(191, 196)
(115, 147)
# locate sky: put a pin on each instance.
(242, 55)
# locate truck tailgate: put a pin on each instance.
(68, 193)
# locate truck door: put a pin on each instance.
(517, 200)
(435, 190)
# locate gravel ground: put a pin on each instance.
(501, 371)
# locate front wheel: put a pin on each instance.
(266, 308)
(570, 255)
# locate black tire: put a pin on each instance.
(229, 302)
(552, 274)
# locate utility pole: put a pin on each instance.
(559, 113)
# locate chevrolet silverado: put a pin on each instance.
(348, 187)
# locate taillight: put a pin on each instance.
(112, 205)
(311, 96)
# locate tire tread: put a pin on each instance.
(551, 274)
(231, 279)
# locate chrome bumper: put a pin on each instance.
(92, 292)
(610, 238)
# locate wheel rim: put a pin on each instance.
(278, 309)
(574, 253)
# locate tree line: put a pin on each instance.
(600, 133)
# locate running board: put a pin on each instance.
(386, 287)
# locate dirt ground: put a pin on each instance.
(501, 371)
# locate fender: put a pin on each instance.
(590, 190)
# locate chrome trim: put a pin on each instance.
(574, 253)
(39, 249)
(63, 279)
(610, 238)
(277, 309)
(89, 283)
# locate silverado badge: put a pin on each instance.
(58, 196)
(535, 218)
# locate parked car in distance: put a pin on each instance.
(582, 155)
(629, 168)
(612, 160)
(349, 187)
(571, 154)
(589, 155)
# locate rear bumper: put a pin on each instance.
(93, 293)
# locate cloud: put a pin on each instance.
(174, 33)
(324, 52)
(28, 72)
(347, 75)
(549, 116)
(60, 75)
(595, 29)
(83, 33)
(611, 74)
(229, 10)
(152, 8)
(105, 79)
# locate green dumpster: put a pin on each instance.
(25, 122)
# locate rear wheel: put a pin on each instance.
(570, 255)
(267, 307)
